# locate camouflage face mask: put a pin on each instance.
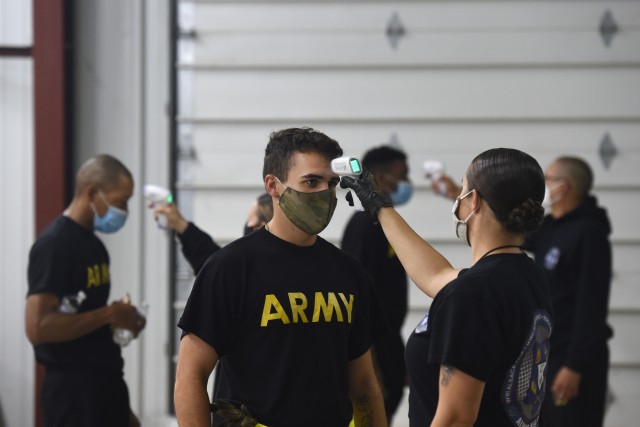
(310, 212)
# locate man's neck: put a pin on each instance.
(285, 230)
(564, 206)
(80, 211)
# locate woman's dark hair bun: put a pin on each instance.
(525, 217)
(512, 184)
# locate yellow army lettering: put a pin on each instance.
(97, 275)
(298, 303)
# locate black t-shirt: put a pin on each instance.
(65, 259)
(367, 243)
(286, 320)
(493, 323)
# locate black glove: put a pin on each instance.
(368, 191)
(237, 417)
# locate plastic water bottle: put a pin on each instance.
(71, 303)
(122, 336)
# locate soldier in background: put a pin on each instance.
(83, 383)
(573, 247)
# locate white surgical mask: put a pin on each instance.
(459, 225)
(546, 202)
(548, 199)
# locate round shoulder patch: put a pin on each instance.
(551, 258)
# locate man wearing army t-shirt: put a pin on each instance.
(292, 316)
(83, 383)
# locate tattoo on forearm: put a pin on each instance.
(364, 411)
(447, 372)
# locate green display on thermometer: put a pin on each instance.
(355, 166)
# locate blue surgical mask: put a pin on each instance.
(111, 221)
(403, 193)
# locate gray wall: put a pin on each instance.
(463, 77)
(17, 366)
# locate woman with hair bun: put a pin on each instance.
(479, 355)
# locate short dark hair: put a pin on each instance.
(382, 157)
(284, 143)
(104, 171)
(578, 172)
(512, 184)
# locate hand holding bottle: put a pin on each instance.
(128, 320)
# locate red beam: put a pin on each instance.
(49, 123)
(49, 114)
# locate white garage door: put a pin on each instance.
(444, 80)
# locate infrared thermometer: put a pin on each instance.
(158, 195)
(433, 171)
(348, 166)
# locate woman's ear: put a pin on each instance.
(476, 200)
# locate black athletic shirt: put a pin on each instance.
(493, 323)
(65, 259)
(367, 243)
(286, 320)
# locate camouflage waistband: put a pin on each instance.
(237, 417)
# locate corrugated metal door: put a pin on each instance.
(444, 80)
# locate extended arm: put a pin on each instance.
(446, 187)
(428, 269)
(365, 394)
(458, 400)
(196, 360)
(44, 324)
(197, 245)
